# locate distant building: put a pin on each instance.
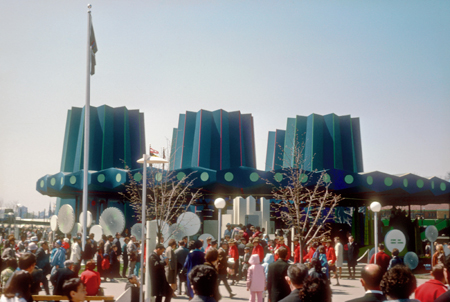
(22, 211)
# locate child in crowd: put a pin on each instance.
(245, 263)
(256, 279)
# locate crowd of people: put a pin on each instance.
(43, 260)
(266, 267)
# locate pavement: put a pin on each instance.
(347, 290)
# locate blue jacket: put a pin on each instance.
(59, 257)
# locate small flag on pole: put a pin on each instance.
(153, 152)
(93, 47)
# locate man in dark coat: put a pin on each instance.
(160, 287)
(295, 275)
(353, 251)
(117, 243)
(181, 254)
(276, 282)
(371, 276)
(61, 275)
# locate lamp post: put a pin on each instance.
(146, 159)
(220, 203)
(375, 207)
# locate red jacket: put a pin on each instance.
(233, 252)
(288, 256)
(310, 254)
(207, 248)
(245, 235)
(92, 281)
(430, 290)
(260, 251)
(297, 253)
(331, 255)
(382, 260)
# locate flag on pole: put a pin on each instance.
(153, 152)
(93, 47)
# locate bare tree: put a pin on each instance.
(168, 196)
(305, 202)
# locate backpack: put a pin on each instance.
(105, 264)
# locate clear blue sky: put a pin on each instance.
(386, 62)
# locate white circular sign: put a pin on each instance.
(395, 239)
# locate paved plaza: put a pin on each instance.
(349, 289)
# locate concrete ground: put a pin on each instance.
(349, 289)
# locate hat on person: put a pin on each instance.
(232, 241)
(68, 263)
(66, 240)
(209, 238)
(34, 239)
(58, 242)
(246, 248)
(228, 224)
(32, 246)
(280, 238)
(213, 242)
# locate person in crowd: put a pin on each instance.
(228, 231)
(256, 279)
(315, 289)
(438, 257)
(61, 275)
(257, 232)
(371, 276)
(181, 253)
(339, 250)
(323, 260)
(268, 259)
(19, 285)
(212, 260)
(296, 274)
(315, 270)
(132, 252)
(331, 257)
(114, 266)
(75, 254)
(382, 258)
(171, 268)
(312, 249)
(99, 258)
(132, 282)
(257, 248)
(125, 257)
(296, 250)
(106, 267)
(91, 279)
(93, 245)
(208, 242)
(280, 244)
(396, 260)
(222, 267)
(428, 249)
(159, 286)
(241, 246)
(433, 288)
(74, 289)
(37, 274)
(22, 245)
(42, 258)
(203, 279)
(398, 283)
(137, 267)
(9, 251)
(11, 266)
(66, 245)
(116, 242)
(58, 257)
(108, 244)
(195, 257)
(233, 253)
(245, 262)
(352, 258)
(277, 286)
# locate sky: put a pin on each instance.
(386, 62)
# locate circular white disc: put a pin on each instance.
(97, 231)
(176, 232)
(395, 239)
(136, 230)
(54, 223)
(66, 219)
(204, 236)
(431, 232)
(112, 221)
(89, 219)
(191, 223)
(411, 260)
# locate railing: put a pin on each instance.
(363, 255)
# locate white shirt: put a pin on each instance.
(75, 254)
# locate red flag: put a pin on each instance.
(153, 151)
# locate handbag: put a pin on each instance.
(230, 263)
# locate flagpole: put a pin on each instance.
(87, 114)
